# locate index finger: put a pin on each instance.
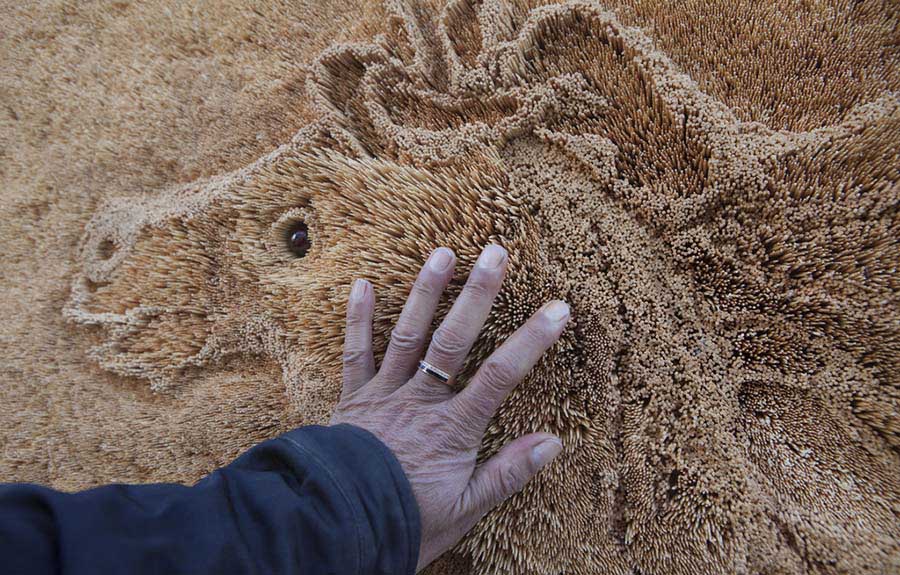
(510, 363)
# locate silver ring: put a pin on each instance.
(434, 372)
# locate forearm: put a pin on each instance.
(315, 500)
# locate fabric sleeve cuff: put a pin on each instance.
(370, 478)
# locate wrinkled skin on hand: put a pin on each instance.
(434, 432)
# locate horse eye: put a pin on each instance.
(298, 239)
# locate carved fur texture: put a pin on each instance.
(713, 187)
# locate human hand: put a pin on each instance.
(434, 433)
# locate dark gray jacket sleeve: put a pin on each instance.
(312, 501)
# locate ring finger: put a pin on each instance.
(409, 335)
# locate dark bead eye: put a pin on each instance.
(298, 239)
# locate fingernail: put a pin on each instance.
(440, 259)
(556, 311)
(358, 290)
(545, 452)
(491, 257)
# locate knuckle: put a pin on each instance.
(431, 393)
(424, 287)
(354, 356)
(355, 314)
(448, 342)
(482, 285)
(537, 333)
(498, 372)
(405, 341)
(510, 479)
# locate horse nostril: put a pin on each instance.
(106, 249)
(298, 239)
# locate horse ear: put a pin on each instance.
(146, 278)
(421, 31)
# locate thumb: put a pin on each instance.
(508, 471)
